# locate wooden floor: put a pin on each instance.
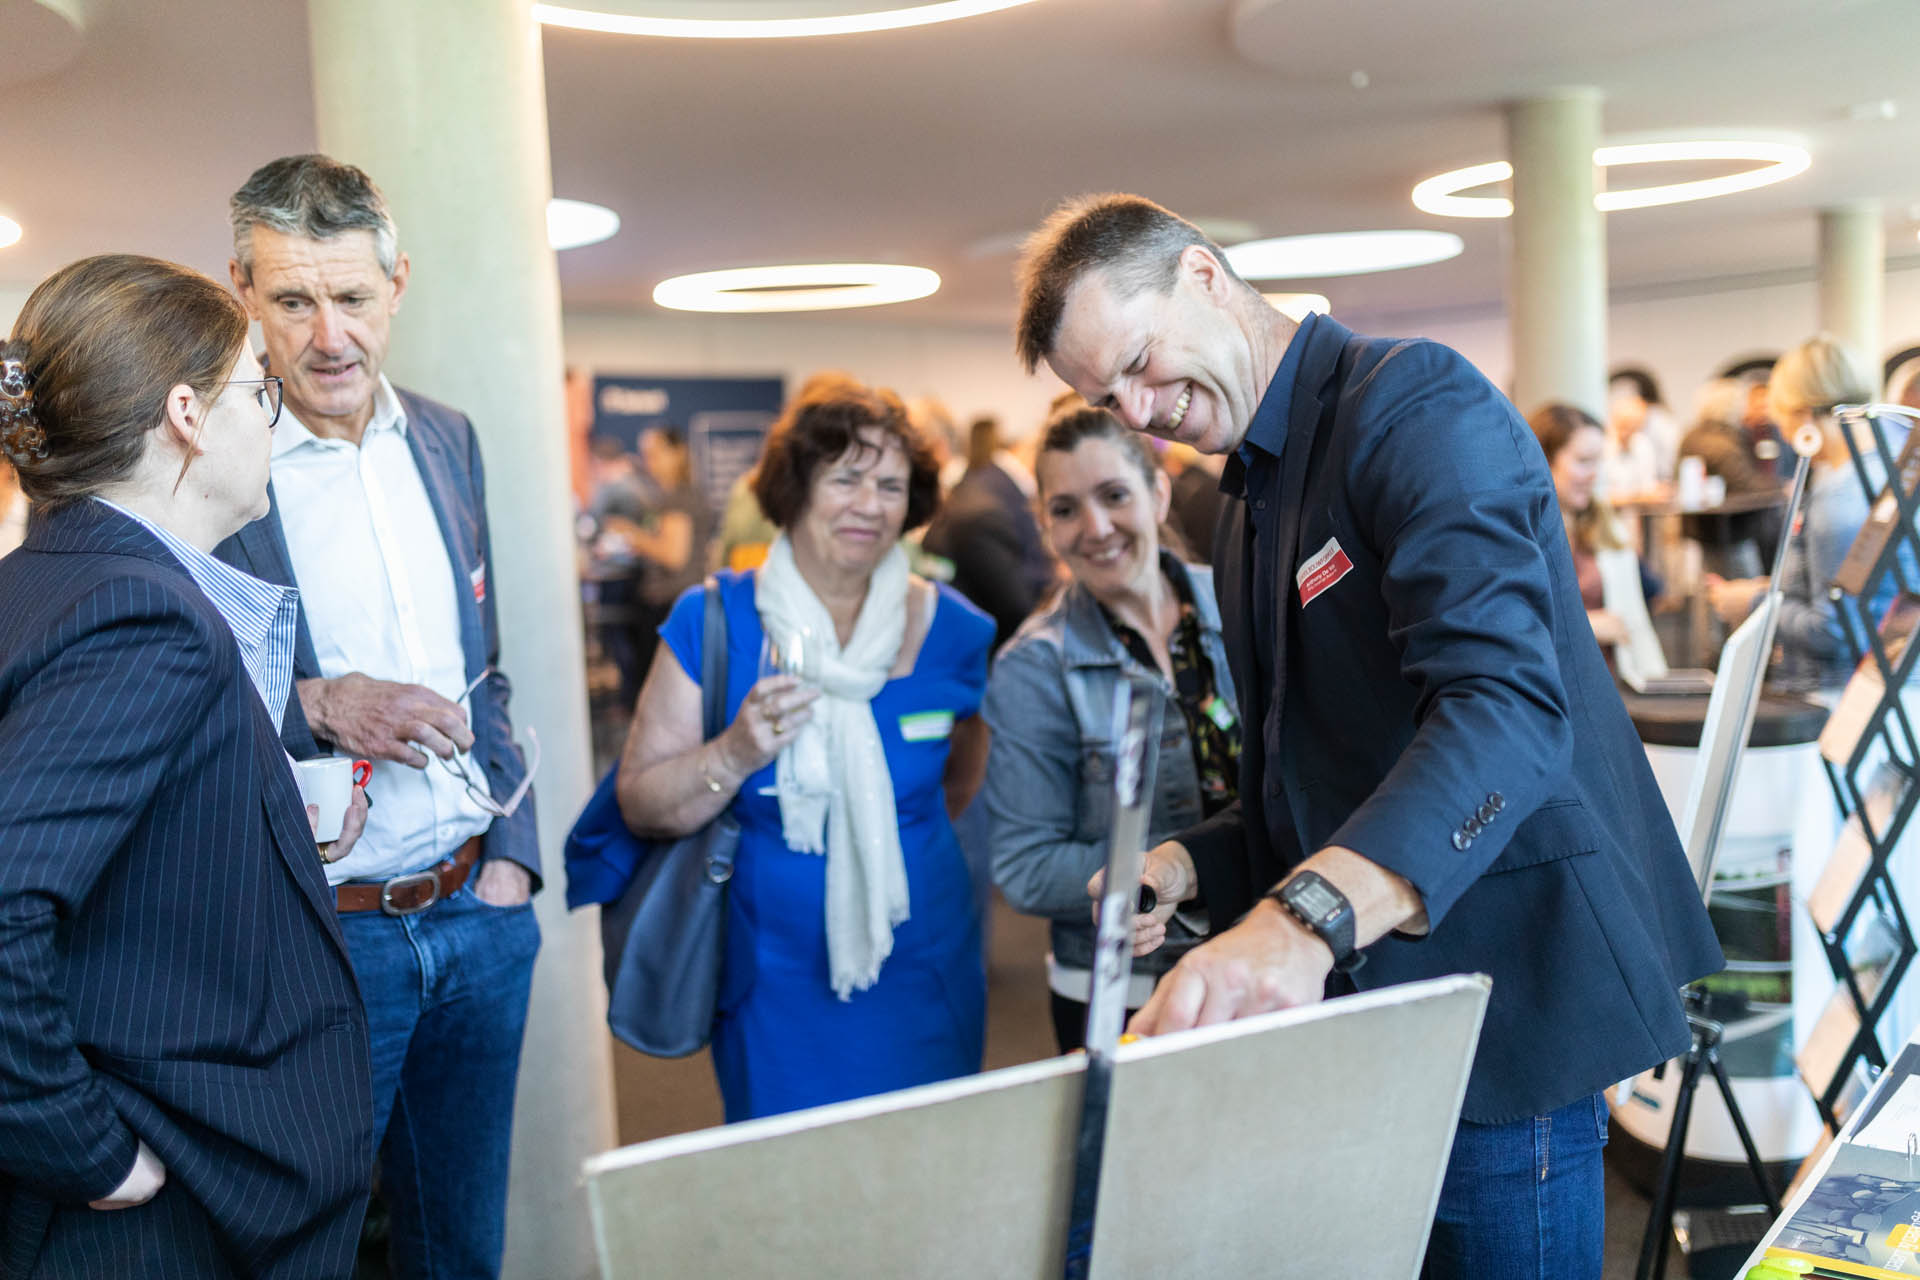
(658, 1097)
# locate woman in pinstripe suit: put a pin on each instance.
(183, 1054)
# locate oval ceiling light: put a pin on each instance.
(849, 20)
(10, 232)
(572, 223)
(1341, 253)
(1002, 243)
(1773, 161)
(1295, 306)
(803, 287)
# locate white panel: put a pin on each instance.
(1317, 1136)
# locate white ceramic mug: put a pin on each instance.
(327, 783)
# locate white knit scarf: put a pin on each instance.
(833, 776)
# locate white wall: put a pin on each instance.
(973, 370)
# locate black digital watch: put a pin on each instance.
(1325, 912)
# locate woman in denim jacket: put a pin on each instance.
(1132, 609)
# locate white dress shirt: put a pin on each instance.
(378, 588)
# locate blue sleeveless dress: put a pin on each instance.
(783, 1040)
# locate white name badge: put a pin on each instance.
(926, 726)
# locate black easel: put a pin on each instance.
(1703, 1052)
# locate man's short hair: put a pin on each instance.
(313, 196)
(1133, 240)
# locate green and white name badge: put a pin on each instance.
(927, 726)
(1220, 713)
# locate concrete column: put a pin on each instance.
(443, 102)
(1558, 271)
(1852, 278)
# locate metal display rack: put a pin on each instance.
(1874, 784)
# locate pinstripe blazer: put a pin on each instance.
(170, 964)
(447, 453)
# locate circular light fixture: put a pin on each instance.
(849, 20)
(1218, 230)
(1341, 253)
(802, 287)
(572, 223)
(10, 232)
(1775, 162)
(1295, 306)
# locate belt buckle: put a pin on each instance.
(430, 876)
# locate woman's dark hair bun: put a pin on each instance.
(22, 438)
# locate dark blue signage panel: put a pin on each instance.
(725, 419)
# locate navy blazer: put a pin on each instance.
(1443, 710)
(170, 964)
(447, 453)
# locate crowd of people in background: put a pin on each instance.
(260, 562)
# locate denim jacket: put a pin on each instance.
(1049, 786)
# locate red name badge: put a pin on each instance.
(1324, 568)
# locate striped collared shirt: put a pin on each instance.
(261, 616)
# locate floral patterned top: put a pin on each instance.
(1213, 732)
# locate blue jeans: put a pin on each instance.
(1525, 1200)
(446, 994)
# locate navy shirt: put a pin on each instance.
(1252, 474)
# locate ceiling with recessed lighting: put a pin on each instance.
(938, 146)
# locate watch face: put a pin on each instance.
(1314, 898)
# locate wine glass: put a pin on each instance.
(777, 659)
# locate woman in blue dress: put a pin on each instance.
(853, 960)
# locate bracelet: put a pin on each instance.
(712, 784)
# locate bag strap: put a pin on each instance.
(713, 699)
(713, 664)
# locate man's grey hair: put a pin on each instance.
(313, 196)
(1133, 241)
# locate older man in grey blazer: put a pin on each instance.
(379, 517)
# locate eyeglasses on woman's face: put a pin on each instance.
(266, 393)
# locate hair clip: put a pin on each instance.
(13, 379)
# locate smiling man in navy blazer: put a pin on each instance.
(379, 517)
(1443, 778)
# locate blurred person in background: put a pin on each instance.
(941, 433)
(185, 1091)
(1575, 443)
(1642, 437)
(13, 510)
(1132, 609)
(1903, 382)
(1769, 446)
(1737, 545)
(986, 529)
(745, 533)
(853, 961)
(672, 538)
(1197, 500)
(1807, 384)
(620, 498)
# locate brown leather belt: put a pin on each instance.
(413, 893)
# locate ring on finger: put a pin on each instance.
(779, 726)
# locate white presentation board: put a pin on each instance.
(1307, 1142)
